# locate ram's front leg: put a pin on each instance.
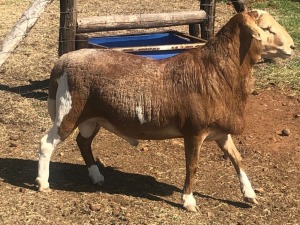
(228, 147)
(192, 146)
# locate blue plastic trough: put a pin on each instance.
(144, 44)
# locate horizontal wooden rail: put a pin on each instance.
(139, 21)
(152, 48)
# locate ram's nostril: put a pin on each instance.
(293, 47)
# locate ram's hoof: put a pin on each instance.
(192, 208)
(43, 186)
(99, 183)
(45, 190)
(251, 200)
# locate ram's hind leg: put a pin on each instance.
(87, 132)
(64, 120)
(228, 147)
(47, 145)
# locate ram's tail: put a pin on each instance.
(56, 73)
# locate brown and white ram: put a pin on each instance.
(198, 95)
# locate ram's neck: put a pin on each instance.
(233, 53)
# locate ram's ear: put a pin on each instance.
(255, 30)
(256, 33)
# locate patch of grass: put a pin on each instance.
(282, 73)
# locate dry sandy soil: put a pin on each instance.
(143, 184)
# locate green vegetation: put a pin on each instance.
(282, 73)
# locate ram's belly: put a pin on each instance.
(132, 131)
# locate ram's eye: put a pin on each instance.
(268, 29)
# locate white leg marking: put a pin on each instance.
(95, 175)
(47, 145)
(246, 187)
(189, 202)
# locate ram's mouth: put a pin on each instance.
(285, 54)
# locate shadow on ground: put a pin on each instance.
(36, 89)
(73, 177)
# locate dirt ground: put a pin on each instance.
(144, 183)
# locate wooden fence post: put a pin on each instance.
(68, 26)
(207, 28)
(194, 30)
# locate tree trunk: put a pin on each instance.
(22, 28)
